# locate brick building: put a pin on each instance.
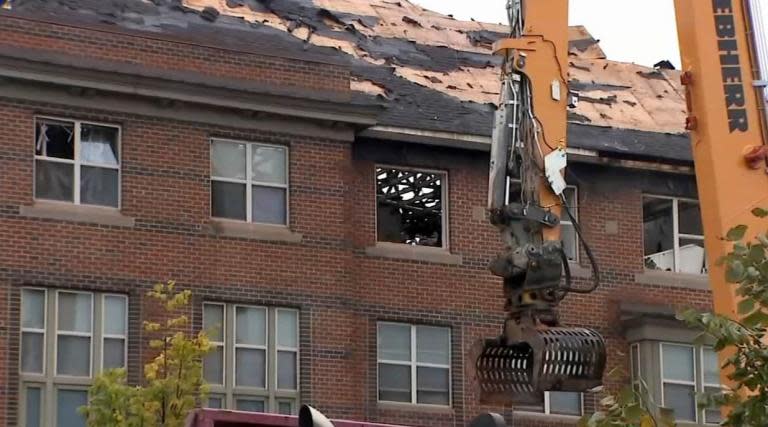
(316, 174)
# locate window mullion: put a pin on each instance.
(76, 156)
(414, 370)
(248, 171)
(676, 234)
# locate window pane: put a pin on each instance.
(711, 366)
(658, 234)
(268, 165)
(33, 403)
(692, 256)
(285, 408)
(228, 200)
(286, 370)
(32, 352)
(33, 308)
(514, 189)
(250, 368)
(114, 315)
(689, 216)
(269, 205)
(635, 355)
(74, 312)
(432, 385)
(55, 139)
(213, 321)
(394, 383)
(54, 181)
(394, 342)
(228, 160)
(409, 207)
(114, 353)
(215, 402)
(249, 405)
(213, 366)
(682, 400)
(98, 144)
(712, 416)
(287, 325)
(565, 403)
(67, 402)
(98, 186)
(570, 241)
(251, 325)
(678, 362)
(433, 345)
(73, 356)
(570, 200)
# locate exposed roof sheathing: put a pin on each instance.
(432, 72)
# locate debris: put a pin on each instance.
(630, 103)
(210, 14)
(664, 65)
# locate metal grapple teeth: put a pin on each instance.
(553, 359)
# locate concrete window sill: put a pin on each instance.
(413, 253)
(677, 280)
(414, 407)
(246, 230)
(578, 271)
(549, 417)
(77, 213)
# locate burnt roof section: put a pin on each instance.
(432, 72)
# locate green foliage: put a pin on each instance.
(173, 379)
(746, 267)
(632, 407)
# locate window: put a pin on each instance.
(77, 162)
(568, 232)
(563, 403)
(409, 206)
(249, 182)
(87, 333)
(685, 371)
(634, 362)
(414, 364)
(254, 363)
(673, 235)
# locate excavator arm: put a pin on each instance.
(725, 72)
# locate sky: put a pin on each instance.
(639, 31)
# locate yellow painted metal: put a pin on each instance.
(544, 46)
(724, 124)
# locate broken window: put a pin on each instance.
(673, 235)
(410, 206)
(77, 162)
(249, 182)
(567, 231)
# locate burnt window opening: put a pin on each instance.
(410, 206)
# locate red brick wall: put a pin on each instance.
(155, 53)
(341, 291)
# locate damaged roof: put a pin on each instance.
(432, 72)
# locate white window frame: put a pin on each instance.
(36, 331)
(444, 192)
(676, 226)
(634, 349)
(414, 365)
(105, 336)
(249, 182)
(548, 407)
(76, 162)
(90, 336)
(221, 343)
(665, 381)
(705, 385)
(51, 381)
(229, 392)
(564, 219)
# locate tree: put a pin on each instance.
(744, 337)
(173, 379)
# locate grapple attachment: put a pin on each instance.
(553, 359)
